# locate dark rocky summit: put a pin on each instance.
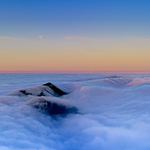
(45, 99)
(47, 89)
(25, 93)
(52, 108)
(58, 91)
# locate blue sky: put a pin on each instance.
(73, 24)
(62, 18)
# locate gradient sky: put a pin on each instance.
(74, 35)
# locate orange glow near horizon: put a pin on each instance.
(80, 60)
(67, 38)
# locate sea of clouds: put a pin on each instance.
(114, 113)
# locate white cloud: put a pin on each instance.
(85, 39)
(40, 37)
(142, 41)
(14, 39)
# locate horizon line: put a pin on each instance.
(76, 72)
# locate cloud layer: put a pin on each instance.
(114, 113)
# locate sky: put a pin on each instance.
(74, 36)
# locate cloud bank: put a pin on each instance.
(85, 39)
(114, 113)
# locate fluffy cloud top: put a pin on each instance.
(114, 113)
